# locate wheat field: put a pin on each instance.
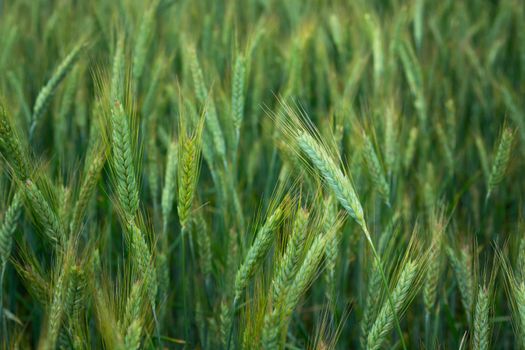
(262, 174)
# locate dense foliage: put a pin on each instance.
(262, 174)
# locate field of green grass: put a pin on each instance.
(262, 174)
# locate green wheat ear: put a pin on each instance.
(190, 144)
(410, 149)
(376, 171)
(43, 213)
(334, 177)
(433, 272)
(133, 307)
(518, 295)
(11, 147)
(305, 273)
(414, 76)
(385, 319)
(45, 94)
(7, 229)
(501, 160)
(325, 164)
(140, 50)
(462, 265)
(59, 294)
(213, 127)
(279, 316)
(372, 303)
(87, 189)
(332, 251)
(257, 251)
(123, 163)
(481, 320)
(293, 252)
(143, 262)
(204, 246)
